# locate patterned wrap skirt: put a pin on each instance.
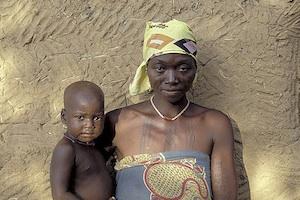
(174, 175)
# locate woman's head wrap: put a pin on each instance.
(162, 38)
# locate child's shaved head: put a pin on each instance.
(82, 89)
(83, 112)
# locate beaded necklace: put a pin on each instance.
(74, 140)
(168, 118)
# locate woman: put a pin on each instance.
(168, 147)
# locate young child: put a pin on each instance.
(78, 169)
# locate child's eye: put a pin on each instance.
(97, 118)
(80, 117)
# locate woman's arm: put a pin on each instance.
(222, 164)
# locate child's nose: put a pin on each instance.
(89, 123)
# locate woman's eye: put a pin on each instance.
(159, 68)
(184, 68)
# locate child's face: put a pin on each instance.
(84, 118)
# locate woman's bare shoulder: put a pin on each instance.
(211, 116)
(129, 112)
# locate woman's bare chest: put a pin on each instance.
(153, 137)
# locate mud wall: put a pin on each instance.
(249, 50)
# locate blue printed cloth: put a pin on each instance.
(174, 175)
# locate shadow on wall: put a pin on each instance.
(242, 178)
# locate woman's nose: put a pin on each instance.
(171, 77)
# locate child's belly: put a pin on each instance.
(94, 186)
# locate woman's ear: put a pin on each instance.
(63, 116)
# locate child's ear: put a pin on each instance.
(63, 116)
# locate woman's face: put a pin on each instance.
(171, 75)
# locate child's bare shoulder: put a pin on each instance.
(64, 149)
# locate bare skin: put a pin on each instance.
(139, 129)
(78, 169)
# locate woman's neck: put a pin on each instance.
(169, 109)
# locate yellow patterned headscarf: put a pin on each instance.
(162, 38)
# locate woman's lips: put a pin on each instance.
(172, 91)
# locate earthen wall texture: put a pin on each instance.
(250, 70)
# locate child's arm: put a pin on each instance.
(60, 172)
